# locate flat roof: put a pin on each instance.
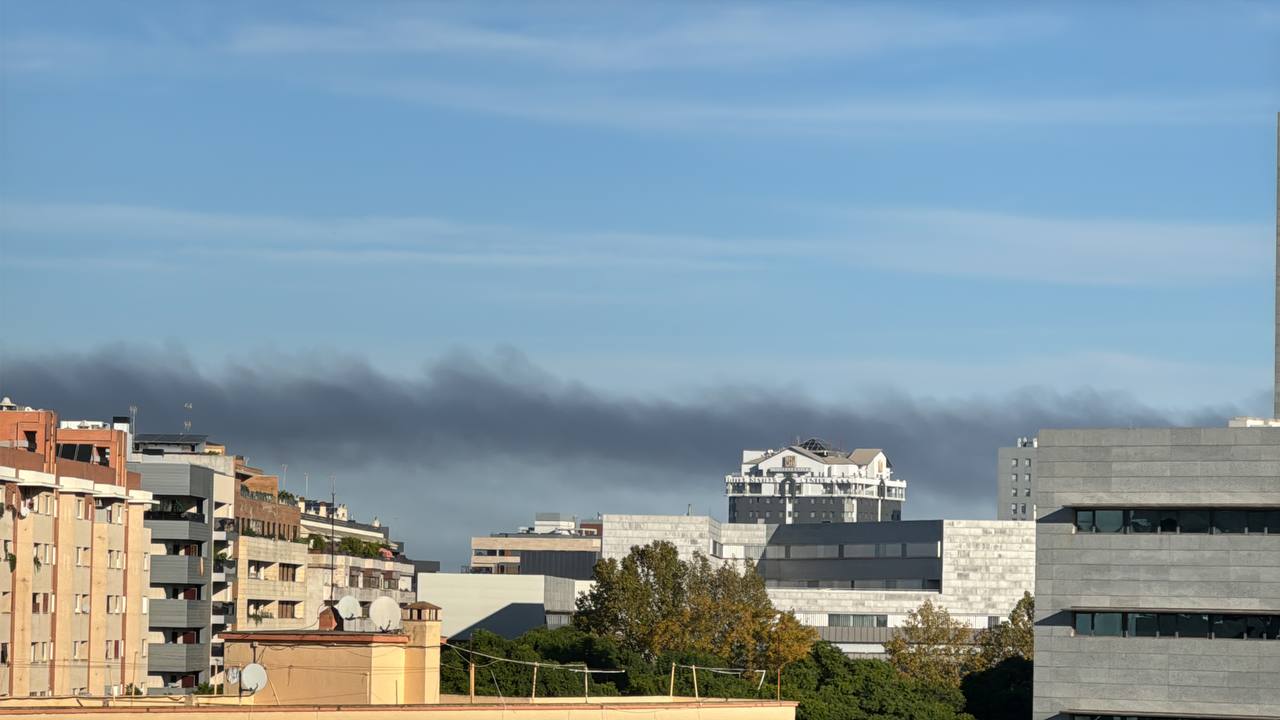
(318, 637)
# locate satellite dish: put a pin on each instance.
(253, 678)
(385, 613)
(348, 608)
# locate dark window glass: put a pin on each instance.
(1230, 521)
(1109, 521)
(1143, 625)
(1273, 522)
(1144, 521)
(1193, 521)
(1084, 623)
(1255, 627)
(1108, 624)
(1257, 521)
(1168, 625)
(1229, 627)
(1193, 625)
(1272, 630)
(1084, 520)
(1168, 521)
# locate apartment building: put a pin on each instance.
(813, 482)
(855, 582)
(271, 556)
(556, 545)
(1015, 480)
(73, 605)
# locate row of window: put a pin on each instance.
(898, 584)
(42, 652)
(1013, 477)
(1219, 521)
(859, 551)
(858, 621)
(1179, 625)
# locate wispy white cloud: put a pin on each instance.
(966, 243)
(674, 38)
(851, 116)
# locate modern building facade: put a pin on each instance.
(855, 582)
(1158, 573)
(73, 601)
(813, 482)
(1015, 480)
(556, 545)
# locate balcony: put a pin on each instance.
(179, 570)
(224, 570)
(167, 613)
(225, 529)
(169, 657)
(223, 613)
(167, 529)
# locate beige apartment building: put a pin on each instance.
(73, 602)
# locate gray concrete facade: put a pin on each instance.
(1166, 571)
(1015, 481)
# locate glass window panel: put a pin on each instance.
(1108, 624)
(1084, 520)
(1193, 521)
(859, 551)
(1273, 522)
(1144, 521)
(922, 549)
(890, 550)
(1230, 521)
(1143, 625)
(1229, 627)
(1168, 623)
(869, 584)
(1257, 521)
(1255, 627)
(1168, 521)
(1272, 631)
(1193, 625)
(1109, 521)
(1084, 623)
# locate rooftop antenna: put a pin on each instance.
(333, 501)
(133, 419)
(186, 424)
(284, 476)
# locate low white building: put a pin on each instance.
(508, 605)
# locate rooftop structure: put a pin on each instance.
(813, 482)
(556, 545)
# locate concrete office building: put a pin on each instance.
(1158, 570)
(556, 545)
(73, 605)
(1015, 480)
(508, 605)
(812, 482)
(856, 582)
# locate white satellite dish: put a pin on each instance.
(385, 614)
(348, 608)
(253, 678)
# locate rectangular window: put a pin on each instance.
(1084, 521)
(1230, 627)
(810, 552)
(921, 550)
(1013, 491)
(1194, 625)
(1230, 522)
(1193, 521)
(1014, 462)
(1143, 625)
(889, 550)
(1144, 521)
(861, 621)
(1108, 521)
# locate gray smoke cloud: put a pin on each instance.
(477, 444)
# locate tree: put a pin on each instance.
(1013, 638)
(932, 647)
(1000, 692)
(654, 603)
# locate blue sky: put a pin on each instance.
(654, 199)
(928, 195)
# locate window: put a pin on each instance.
(1014, 462)
(993, 621)
(1027, 493)
(1013, 507)
(1014, 491)
(1230, 521)
(79, 508)
(918, 550)
(1024, 508)
(1027, 462)
(808, 552)
(1217, 626)
(1218, 521)
(1027, 477)
(858, 621)
(4, 653)
(1013, 477)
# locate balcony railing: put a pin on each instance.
(188, 516)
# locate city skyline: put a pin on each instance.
(610, 252)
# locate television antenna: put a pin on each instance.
(253, 678)
(348, 608)
(385, 614)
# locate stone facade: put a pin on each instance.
(1153, 572)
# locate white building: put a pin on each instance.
(813, 482)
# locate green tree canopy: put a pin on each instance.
(652, 603)
(933, 647)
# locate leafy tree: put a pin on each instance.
(1000, 692)
(653, 603)
(830, 686)
(1013, 638)
(932, 647)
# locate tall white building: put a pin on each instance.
(812, 482)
